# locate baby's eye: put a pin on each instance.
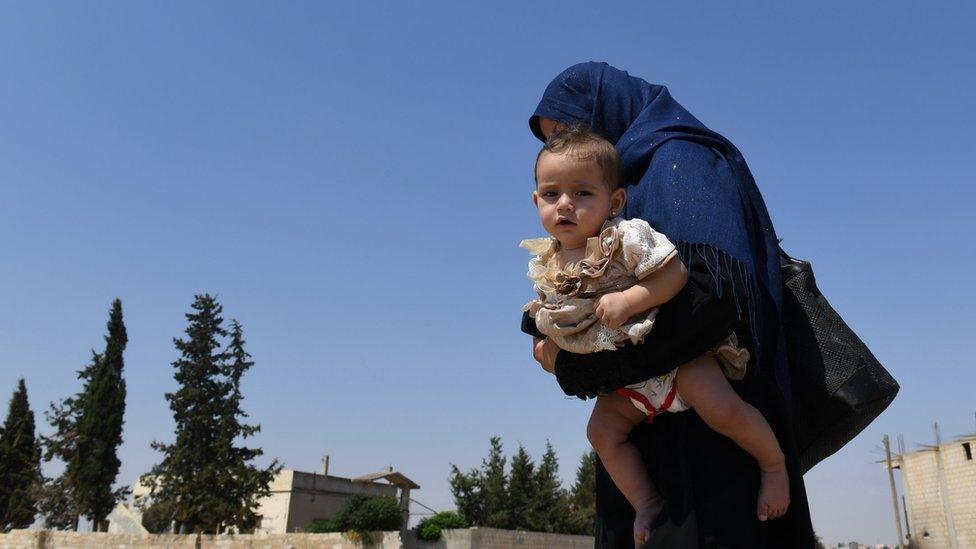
(583, 193)
(549, 194)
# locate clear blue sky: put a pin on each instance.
(353, 178)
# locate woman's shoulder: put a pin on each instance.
(684, 180)
(684, 158)
(679, 147)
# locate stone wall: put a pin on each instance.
(473, 538)
(44, 539)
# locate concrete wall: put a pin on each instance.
(491, 538)
(927, 520)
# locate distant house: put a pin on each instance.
(297, 499)
(939, 484)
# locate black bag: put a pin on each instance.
(839, 387)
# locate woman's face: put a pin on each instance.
(548, 125)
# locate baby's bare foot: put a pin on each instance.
(643, 520)
(774, 494)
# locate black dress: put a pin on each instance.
(709, 484)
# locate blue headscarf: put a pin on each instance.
(689, 182)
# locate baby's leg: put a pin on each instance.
(703, 386)
(612, 420)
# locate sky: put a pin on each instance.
(352, 179)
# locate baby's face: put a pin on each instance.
(572, 198)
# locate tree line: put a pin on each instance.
(205, 482)
(526, 496)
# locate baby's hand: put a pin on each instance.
(612, 309)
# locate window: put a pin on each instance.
(969, 450)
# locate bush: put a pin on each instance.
(429, 529)
(322, 526)
(156, 518)
(376, 514)
(362, 514)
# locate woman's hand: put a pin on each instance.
(545, 352)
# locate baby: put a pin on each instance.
(600, 280)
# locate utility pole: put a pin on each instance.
(944, 490)
(894, 492)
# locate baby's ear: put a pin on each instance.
(535, 198)
(618, 199)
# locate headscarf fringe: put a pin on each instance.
(723, 268)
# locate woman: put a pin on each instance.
(693, 185)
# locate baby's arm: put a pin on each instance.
(653, 290)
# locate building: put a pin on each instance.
(939, 485)
(297, 499)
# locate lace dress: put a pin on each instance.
(625, 251)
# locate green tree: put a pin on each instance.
(183, 481)
(20, 464)
(204, 482)
(362, 514)
(468, 495)
(550, 508)
(526, 497)
(242, 482)
(94, 463)
(494, 487)
(582, 497)
(522, 491)
(58, 503)
(156, 517)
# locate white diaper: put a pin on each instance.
(656, 395)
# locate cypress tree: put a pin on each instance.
(494, 487)
(205, 483)
(521, 490)
(94, 463)
(527, 497)
(550, 509)
(20, 464)
(582, 498)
